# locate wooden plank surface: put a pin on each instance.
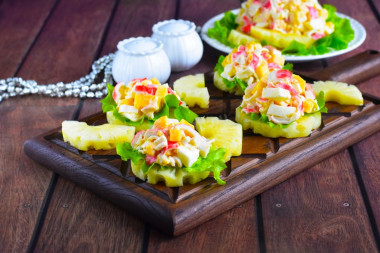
(241, 233)
(20, 23)
(366, 155)
(99, 218)
(320, 210)
(23, 184)
(327, 193)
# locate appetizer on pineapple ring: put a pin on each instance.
(277, 103)
(173, 152)
(140, 102)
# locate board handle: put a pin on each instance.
(353, 70)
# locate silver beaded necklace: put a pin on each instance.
(85, 87)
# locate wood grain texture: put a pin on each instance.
(199, 12)
(237, 226)
(100, 219)
(206, 200)
(62, 230)
(320, 210)
(79, 221)
(136, 18)
(20, 23)
(368, 160)
(22, 180)
(23, 184)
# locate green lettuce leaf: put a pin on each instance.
(108, 103)
(170, 101)
(321, 102)
(243, 85)
(229, 84)
(185, 113)
(219, 67)
(222, 28)
(288, 66)
(213, 162)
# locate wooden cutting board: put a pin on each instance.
(264, 163)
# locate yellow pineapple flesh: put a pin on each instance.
(85, 137)
(172, 177)
(238, 38)
(299, 128)
(192, 90)
(226, 134)
(341, 93)
(277, 39)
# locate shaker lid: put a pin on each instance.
(139, 46)
(173, 27)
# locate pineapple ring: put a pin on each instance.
(192, 90)
(225, 133)
(299, 128)
(105, 137)
(174, 177)
(341, 93)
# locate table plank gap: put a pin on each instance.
(42, 213)
(375, 7)
(36, 37)
(260, 224)
(366, 200)
(20, 25)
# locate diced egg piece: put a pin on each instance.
(280, 111)
(188, 155)
(276, 93)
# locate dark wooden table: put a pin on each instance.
(332, 206)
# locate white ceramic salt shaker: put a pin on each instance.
(140, 57)
(181, 42)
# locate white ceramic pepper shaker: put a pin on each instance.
(181, 42)
(140, 57)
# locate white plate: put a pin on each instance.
(360, 35)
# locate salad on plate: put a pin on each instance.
(297, 27)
